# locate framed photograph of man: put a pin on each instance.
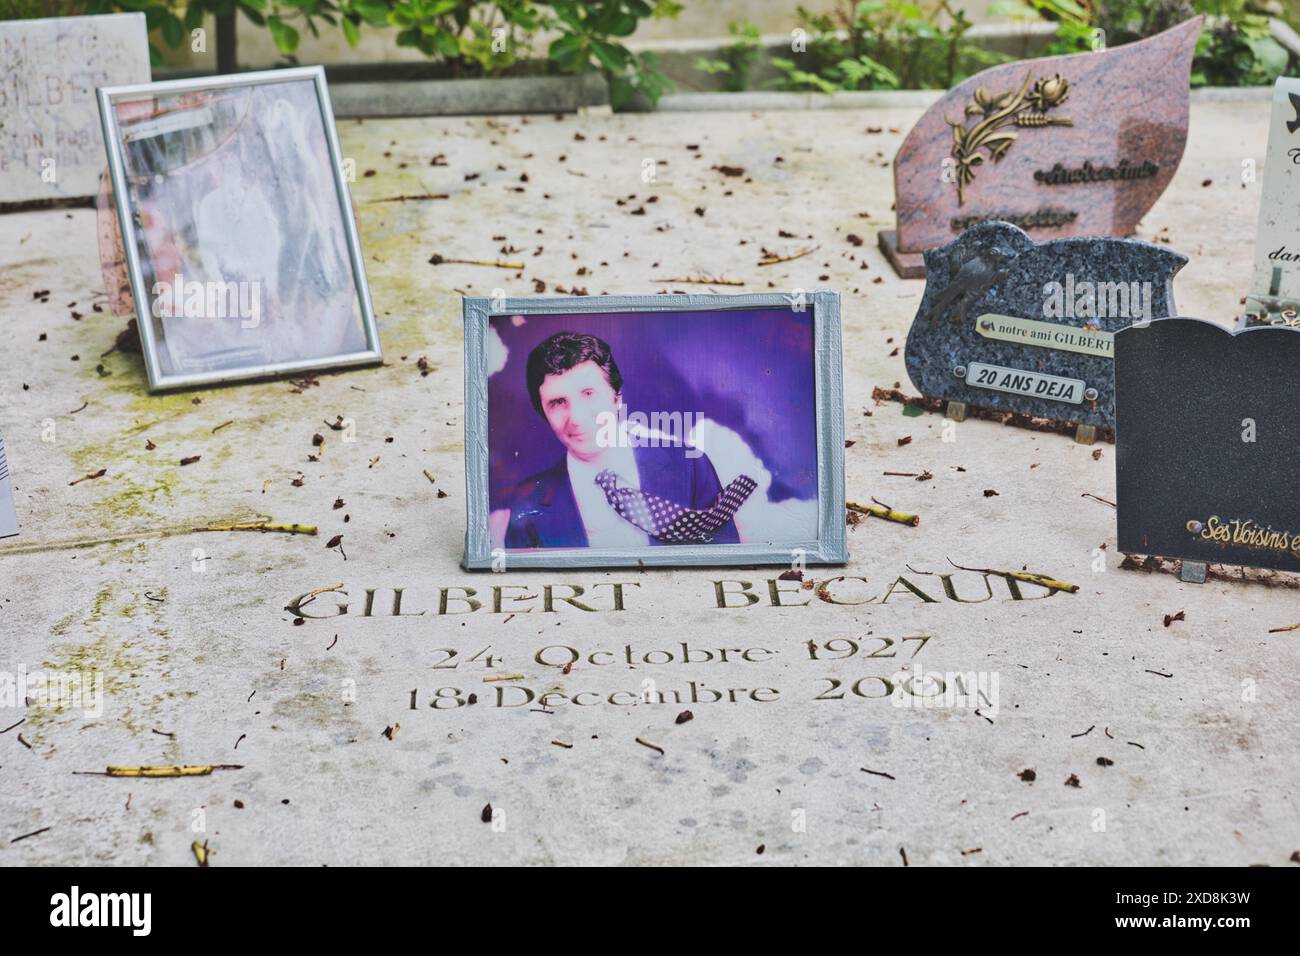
(237, 227)
(608, 431)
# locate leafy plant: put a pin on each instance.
(1239, 51)
(738, 58)
(466, 37)
(883, 44)
(590, 35)
(1076, 27)
(1235, 47)
(31, 9)
(472, 38)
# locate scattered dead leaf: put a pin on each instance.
(90, 477)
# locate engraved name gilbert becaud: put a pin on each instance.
(842, 590)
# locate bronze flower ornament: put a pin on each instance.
(1023, 108)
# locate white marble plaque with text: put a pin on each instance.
(1277, 241)
(51, 144)
(8, 517)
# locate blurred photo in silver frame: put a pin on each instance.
(237, 227)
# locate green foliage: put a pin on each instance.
(882, 44)
(590, 35)
(32, 9)
(738, 58)
(1234, 48)
(1076, 27)
(467, 37)
(1238, 51)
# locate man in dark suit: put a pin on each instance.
(576, 385)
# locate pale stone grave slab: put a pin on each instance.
(793, 748)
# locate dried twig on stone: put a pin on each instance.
(771, 260)
(263, 526)
(881, 511)
(187, 770)
(1029, 576)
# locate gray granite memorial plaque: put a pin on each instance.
(1010, 324)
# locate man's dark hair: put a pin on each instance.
(561, 352)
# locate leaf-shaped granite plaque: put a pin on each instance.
(1078, 145)
(1207, 426)
(1015, 325)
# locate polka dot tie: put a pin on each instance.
(669, 522)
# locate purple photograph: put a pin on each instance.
(631, 430)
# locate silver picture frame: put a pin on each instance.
(158, 378)
(830, 547)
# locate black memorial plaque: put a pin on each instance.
(1208, 428)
